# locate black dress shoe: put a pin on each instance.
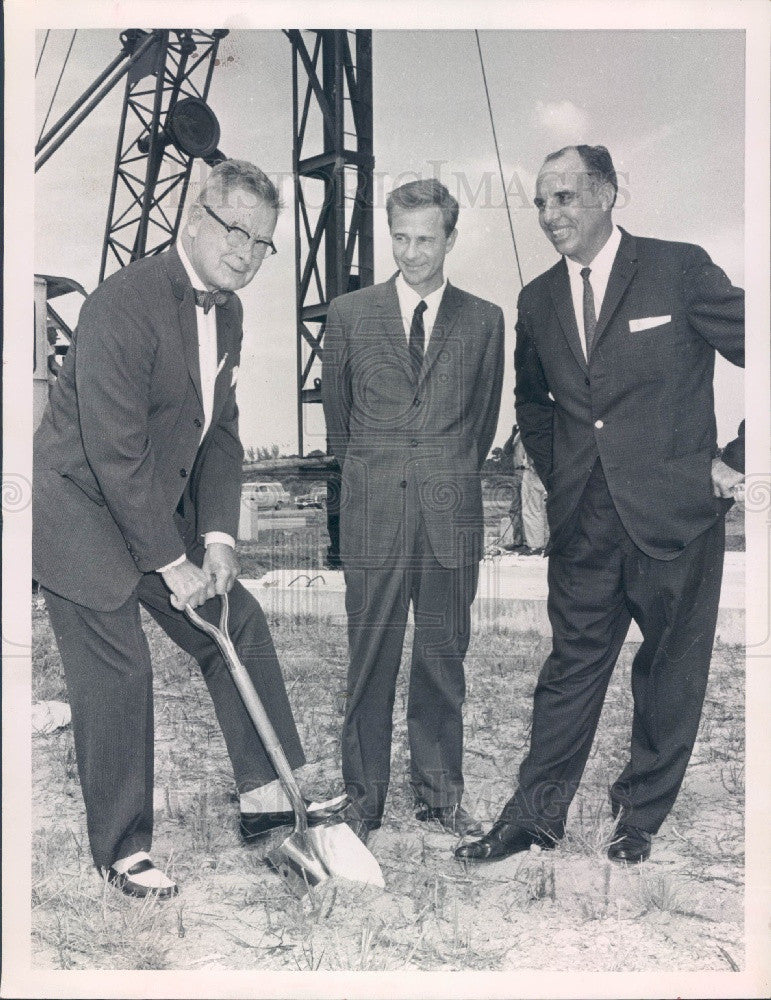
(130, 887)
(454, 819)
(360, 826)
(503, 840)
(253, 825)
(630, 846)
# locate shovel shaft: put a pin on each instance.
(256, 710)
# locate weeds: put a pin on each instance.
(529, 911)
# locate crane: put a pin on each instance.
(166, 123)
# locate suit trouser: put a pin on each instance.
(377, 602)
(598, 581)
(108, 671)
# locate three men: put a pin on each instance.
(411, 387)
(614, 360)
(136, 501)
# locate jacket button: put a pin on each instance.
(586, 381)
(197, 422)
(599, 424)
(417, 402)
(413, 443)
(403, 484)
(183, 472)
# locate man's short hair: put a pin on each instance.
(424, 194)
(597, 161)
(230, 175)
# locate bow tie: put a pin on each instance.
(208, 299)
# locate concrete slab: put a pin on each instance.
(511, 596)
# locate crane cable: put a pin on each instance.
(498, 154)
(40, 57)
(56, 88)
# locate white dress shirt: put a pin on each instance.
(598, 279)
(207, 362)
(408, 300)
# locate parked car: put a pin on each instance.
(315, 498)
(269, 496)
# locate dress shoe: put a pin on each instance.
(360, 828)
(503, 840)
(353, 818)
(252, 825)
(630, 845)
(128, 883)
(454, 819)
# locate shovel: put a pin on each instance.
(310, 855)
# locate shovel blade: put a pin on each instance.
(344, 855)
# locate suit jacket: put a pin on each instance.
(119, 441)
(644, 402)
(410, 448)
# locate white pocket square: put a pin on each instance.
(647, 323)
(234, 377)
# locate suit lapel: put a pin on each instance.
(622, 272)
(446, 317)
(563, 304)
(225, 340)
(387, 302)
(183, 292)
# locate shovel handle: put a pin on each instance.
(254, 707)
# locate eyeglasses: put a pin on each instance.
(238, 238)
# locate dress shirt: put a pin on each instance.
(409, 298)
(207, 363)
(598, 279)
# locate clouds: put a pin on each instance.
(565, 120)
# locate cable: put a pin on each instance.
(40, 57)
(498, 154)
(56, 88)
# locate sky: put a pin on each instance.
(668, 104)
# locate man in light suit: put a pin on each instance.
(136, 502)
(615, 358)
(411, 389)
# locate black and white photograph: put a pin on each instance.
(386, 593)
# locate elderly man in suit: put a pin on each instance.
(411, 389)
(136, 501)
(615, 358)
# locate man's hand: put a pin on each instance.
(188, 584)
(220, 565)
(725, 480)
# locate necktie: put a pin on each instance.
(417, 342)
(590, 316)
(208, 299)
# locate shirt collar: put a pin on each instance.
(195, 281)
(603, 261)
(409, 298)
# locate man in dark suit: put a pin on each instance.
(615, 358)
(136, 502)
(411, 389)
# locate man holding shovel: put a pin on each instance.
(136, 502)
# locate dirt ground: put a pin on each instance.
(570, 909)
